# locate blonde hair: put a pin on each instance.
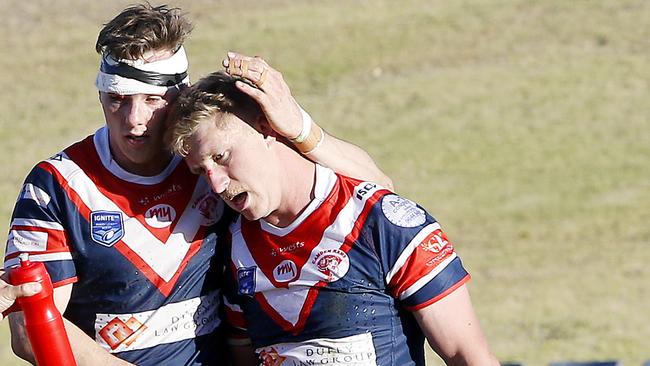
(212, 95)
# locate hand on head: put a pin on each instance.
(272, 92)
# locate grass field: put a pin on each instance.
(523, 126)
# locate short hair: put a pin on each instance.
(212, 95)
(142, 28)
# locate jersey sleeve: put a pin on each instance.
(37, 227)
(420, 263)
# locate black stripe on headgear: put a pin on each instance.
(148, 77)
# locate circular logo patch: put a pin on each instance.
(160, 216)
(211, 208)
(402, 212)
(285, 271)
(333, 263)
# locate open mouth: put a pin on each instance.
(136, 140)
(238, 202)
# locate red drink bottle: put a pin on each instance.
(43, 321)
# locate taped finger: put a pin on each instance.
(262, 77)
(243, 65)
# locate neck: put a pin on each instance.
(148, 169)
(298, 179)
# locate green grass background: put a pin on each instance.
(523, 126)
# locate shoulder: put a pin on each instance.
(67, 159)
(400, 212)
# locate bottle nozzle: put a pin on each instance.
(24, 258)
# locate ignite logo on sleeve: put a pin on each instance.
(106, 227)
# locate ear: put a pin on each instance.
(264, 127)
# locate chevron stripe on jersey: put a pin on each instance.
(350, 266)
(316, 244)
(141, 252)
(161, 256)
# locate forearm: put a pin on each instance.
(347, 159)
(19, 342)
(86, 351)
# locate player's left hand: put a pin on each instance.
(272, 92)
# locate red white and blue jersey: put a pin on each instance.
(139, 251)
(338, 285)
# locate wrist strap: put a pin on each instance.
(306, 127)
(313, 141)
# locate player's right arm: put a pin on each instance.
(86, 351)
(37, 228)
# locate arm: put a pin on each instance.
(453, 331)
(86, 350)
(286, 117)
(348, 159)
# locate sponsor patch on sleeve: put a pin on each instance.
(402, 212)
(437, 247)
(26, 241)
(246, 280)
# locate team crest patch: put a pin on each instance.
(246, 280)
(106, 227)
(333, 263)
(402, 212)
(211, 208)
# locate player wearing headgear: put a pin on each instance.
(129, 236)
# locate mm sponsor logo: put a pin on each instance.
(160, 216)
(106, 227)
(118, 332)
(285, 271)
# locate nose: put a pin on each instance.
(137, 114)
(217, 178)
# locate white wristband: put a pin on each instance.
(306, 127)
